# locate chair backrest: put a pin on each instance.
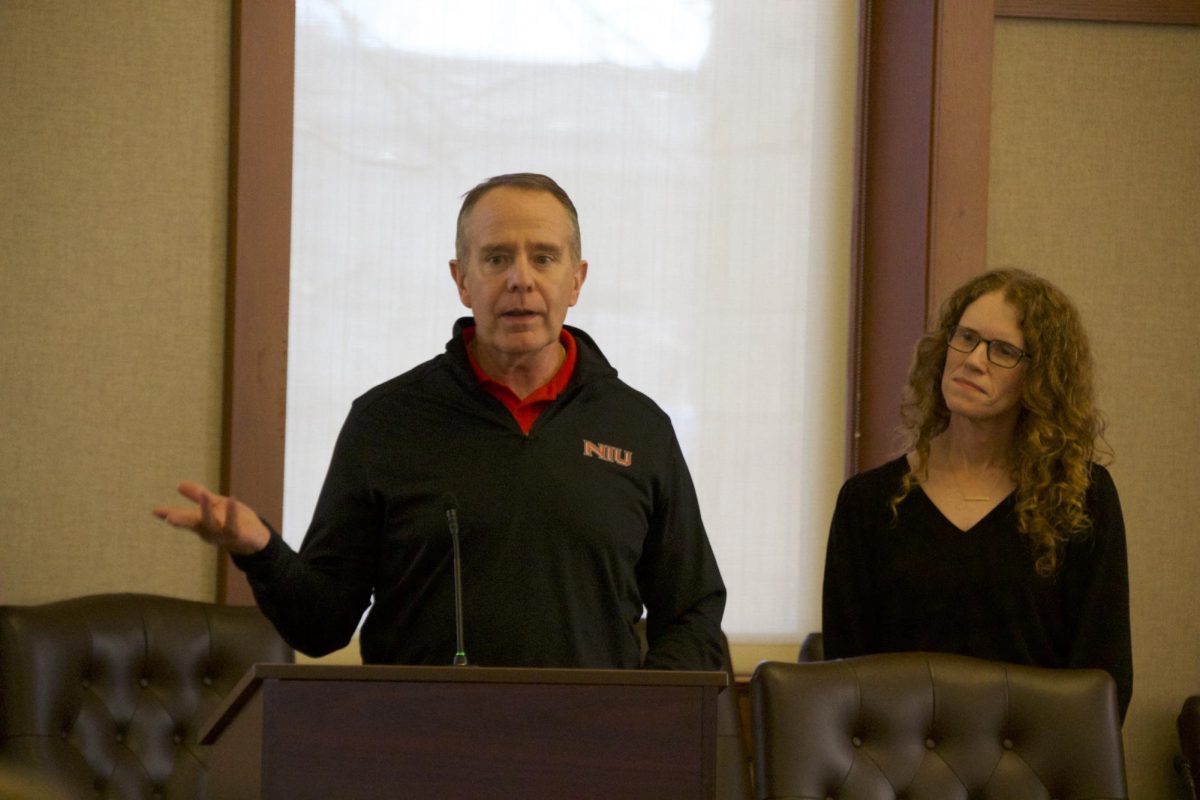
(1188, 725)
(928, 726)
(104, 695)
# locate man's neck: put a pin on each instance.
(524, 372)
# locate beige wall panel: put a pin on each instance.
(114, 121)
(1095, 183)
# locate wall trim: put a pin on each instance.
(1162, 12)
(921, 174)
(260, 231)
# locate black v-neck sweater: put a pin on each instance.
(921, 584)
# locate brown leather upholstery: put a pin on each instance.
(925, 726)
(103, 696)
(1188, 725)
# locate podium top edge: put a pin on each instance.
(469, 674)
(259, 674)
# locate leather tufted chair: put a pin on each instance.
(102, 696)
(935, 726)
(1188, 725)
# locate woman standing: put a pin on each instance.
(996, 535)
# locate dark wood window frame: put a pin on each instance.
(921, 179)
(920, 220)
(259, 262)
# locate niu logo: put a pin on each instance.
(606, 452)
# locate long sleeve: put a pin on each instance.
(679, 580)
(1096, 585)
(848, 617)
(316, 598)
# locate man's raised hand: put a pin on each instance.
(220, 520)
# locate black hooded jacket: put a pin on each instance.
(566, 533)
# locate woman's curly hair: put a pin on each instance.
(1058, 427)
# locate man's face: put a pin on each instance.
(520, 274)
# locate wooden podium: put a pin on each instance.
(294, 731)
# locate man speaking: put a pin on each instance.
(574, 507)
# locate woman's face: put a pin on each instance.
(972, 385)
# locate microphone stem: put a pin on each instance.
(460, 656)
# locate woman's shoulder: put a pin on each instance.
(863, 504)
(1102, 498)
(1101, 488)
(884, 478)
(1106, 534)
(1099, 475)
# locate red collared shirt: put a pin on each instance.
(526, 411)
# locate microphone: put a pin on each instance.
(451, 504)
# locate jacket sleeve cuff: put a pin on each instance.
(257, 564)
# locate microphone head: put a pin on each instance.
(450, 502)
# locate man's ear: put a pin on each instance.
(459, 274)
(580, 277)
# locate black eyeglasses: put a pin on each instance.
(999, 352)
